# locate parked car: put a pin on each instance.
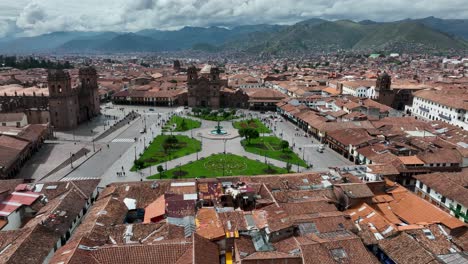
(151, 109)
(321, 148)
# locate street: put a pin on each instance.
(115, 153)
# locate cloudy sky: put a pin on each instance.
(33, 17)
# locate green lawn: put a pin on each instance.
(178, 123)
(252, 123)
(155, 154)
(271, 147)
(212, 166)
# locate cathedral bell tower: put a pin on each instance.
(63, 101)
(89, 95)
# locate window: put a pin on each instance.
(420, 185)
(443, 199)
(428, 189)
(3, 124)
(18, 124)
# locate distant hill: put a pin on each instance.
(407, 33)
(455, 27)
(404, 36)
(312, 35)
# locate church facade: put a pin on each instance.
(207, 89)
(69, 107)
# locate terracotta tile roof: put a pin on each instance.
(410, 160)
(208, 224)
(331, 249)
(438, 244)
(442, 155)
(456, 98)
(414, 210)
(373, 219)
(33, 246)
(155, 209)
(164, 252)
(355, 190)
(355, 136)
(403, 249)
(445, 185)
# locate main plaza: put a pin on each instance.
(114, 147)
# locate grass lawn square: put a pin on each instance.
(155, 153)
(271, 147)
(181, 124)
(252, 123)
(215, 165)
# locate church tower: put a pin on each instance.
(89, 95)
(384, 82)
(192, 74)
(63, 101)
(383, 91)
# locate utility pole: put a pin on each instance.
(94, 147)
(71, 160)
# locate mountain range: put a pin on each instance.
(419, 35)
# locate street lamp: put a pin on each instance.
(71, 160)
(224, 145)
(135, 154)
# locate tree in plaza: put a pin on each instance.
(249, 133)
(171, 140)
(139, 164)
(196, 111)
(160, 169)
(284, 144)
(205, 111)
(183, 125)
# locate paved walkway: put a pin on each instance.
(209, 147)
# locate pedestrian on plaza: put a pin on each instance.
(122, 168)
(124, 173)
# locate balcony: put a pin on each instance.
(445, 117)
(424, 109)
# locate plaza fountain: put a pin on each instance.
(218, 131)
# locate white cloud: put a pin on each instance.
(41, 16)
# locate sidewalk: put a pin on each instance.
(209, 147)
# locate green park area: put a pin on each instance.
(164, 148)
(214, 115)
(252, 123)
(220, 165)
(272, 147)
(180, 124)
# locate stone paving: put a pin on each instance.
(117, 151)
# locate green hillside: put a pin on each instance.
(407, 32)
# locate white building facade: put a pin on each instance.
(432, 110)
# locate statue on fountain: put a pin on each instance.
(218, 128)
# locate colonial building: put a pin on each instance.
(209, 90)
(449, 106)
(69, 106)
